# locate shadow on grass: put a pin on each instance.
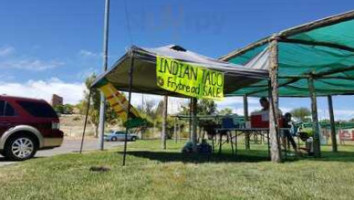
(196, 158)
(4, 159)
(242, 156)
(344, 156)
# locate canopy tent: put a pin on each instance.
(144, 73)
(323, 49)
(136, 72)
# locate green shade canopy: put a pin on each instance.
(324, 49)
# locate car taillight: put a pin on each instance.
(55, 125)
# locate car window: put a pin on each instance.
(9, 110)
(2, 106)
(38, 109)
(6, 109)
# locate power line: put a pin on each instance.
(128, 22)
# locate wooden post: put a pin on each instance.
(273, 108)
(315, 124)
(164, 123)
(245, 111)
(333, 125)
(194, 123)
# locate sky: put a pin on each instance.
(50, 47)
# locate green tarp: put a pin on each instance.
(326, 51)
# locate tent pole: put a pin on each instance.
(175, 129)
(129, 104)
(85, 123)
(245, 110)
(164, 122)
(333, 125)
(179, 129)
(194, 123)
(273, 95)
(315, 124)
(190, 119)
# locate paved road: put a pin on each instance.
(69, 145)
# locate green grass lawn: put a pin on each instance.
(155, 174)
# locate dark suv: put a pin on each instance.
(27, 125)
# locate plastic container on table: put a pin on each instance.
(261, 120)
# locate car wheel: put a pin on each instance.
(133, 139)
(20, 148)
(114, 139)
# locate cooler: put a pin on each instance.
(261, 120)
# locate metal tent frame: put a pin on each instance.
(121, 66)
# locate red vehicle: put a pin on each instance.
(27, 125)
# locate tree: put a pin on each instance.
(225, 111)
(59, 109)
(301, 113)
(110, 115)
(149, 109)
(206, 107)
(68, 109)
(159, 109)
(64, 109)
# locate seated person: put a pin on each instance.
(308, 143)
(289, 125)
(264, 103)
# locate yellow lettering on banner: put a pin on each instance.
(189, 79)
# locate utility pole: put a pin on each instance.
(105, 67)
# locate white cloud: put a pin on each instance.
(71, 92)
(86, 53)
(82, 75)
(231, 101)
(24, 62)
(30, 64)
(349, 113)
(174, 104)
(7, 50)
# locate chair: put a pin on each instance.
(228, 123)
